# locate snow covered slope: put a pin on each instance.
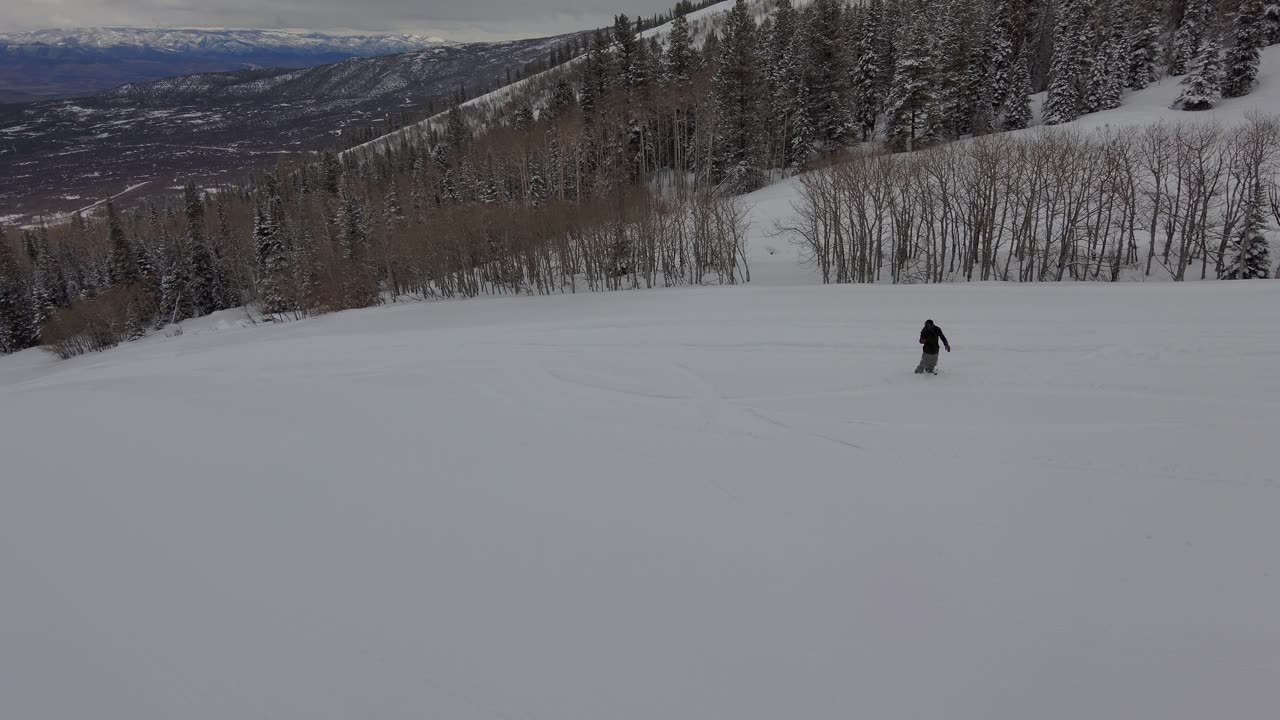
(701, 23)
(1153, 104)
(773, 205)
(703, 503)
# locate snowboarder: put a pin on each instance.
(929, 337)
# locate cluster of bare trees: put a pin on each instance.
(1182, 200)
(299, 243)
(635, 239)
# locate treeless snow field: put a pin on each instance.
(713, 503)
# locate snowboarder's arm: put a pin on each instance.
(943, 337)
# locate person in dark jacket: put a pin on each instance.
(930, 335)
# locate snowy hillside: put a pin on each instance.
(1141, 107)
(701, 23)
(706, 503)
(1154, 104)
(775, 204)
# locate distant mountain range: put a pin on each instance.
(44, 64)
(57, 155)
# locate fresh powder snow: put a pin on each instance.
(728, 502)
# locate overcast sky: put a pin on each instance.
(454, 19)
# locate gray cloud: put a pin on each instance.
(454, 19)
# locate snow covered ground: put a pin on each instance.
(1152, 104)
(696, 503)
(682, 504)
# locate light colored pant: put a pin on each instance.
(928, 363)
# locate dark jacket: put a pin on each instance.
(929, 337)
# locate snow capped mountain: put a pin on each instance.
(51, 63)
(231, 42)
(208, 123)
(419, 74)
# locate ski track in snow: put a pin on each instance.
(690, 503)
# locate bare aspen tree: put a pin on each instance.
(1054, 205)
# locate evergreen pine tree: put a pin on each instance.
(15, 323)
(736, 91)
(802, 135)
(912, 116)
(449, 188)
(83, 281)
(273, 260)
(148, 271)
(955, 56)
(781, 74)
(855, 17)
(418, 188)
(1190, 36)
(1143, 47)
(539, 189)
(597, 74)
(222, 253)
(174, 275)
(305, 281)
(1068, 72)
(331, 169)
(1249, 256)
(974, 112)
(562, 100)
(1243, 57)
(522, 118)
(1017, 109)
(1271, 21)
(457, 135)
(640, 79)
(826, 85)
(626, 47)
(353, 227)
(487, 187)
(124, 261)
(205, 291)
(886, 47)
(999, 53)
(681, 57)
(653, 61)
(868, 70)
(710, 49)
(1110, 68)
(42, 300)
(1202, 88)
(392, 210)
(193, 211)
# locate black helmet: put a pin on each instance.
(928, 323)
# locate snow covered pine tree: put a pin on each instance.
(1249, 255)
(1202, 89)
(1242, 59)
